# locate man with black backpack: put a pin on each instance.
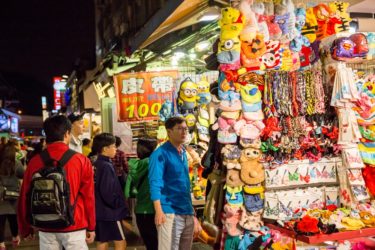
(57, 193)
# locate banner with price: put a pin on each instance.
(139, 95)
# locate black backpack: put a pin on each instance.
(50, 194)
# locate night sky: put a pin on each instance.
(42, 39)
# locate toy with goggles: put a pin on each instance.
(187, 95)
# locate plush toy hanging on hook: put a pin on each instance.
(187, 96)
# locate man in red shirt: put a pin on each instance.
(79, 175)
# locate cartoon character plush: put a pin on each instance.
(300, 40)
(251, 98)
(311, 25)
(332, 23)
(252, 171)
(271, 59)
(341, 10)
(233, 178)
(251, 221)
(232, 217)
(231, 24)
(304, 56)
(166, 111)
(187, 96)
(256, 48)
(273, 28)
(285, 17)
(367, 218)
(371, 45)
(322, 14)
(248, 130)
(251, 23)
(231, 155)
(286, 58)
(204, 92)
(259, 9)
(229, 47)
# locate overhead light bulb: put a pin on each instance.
(192, 56)
(202, 46)
(179, 54)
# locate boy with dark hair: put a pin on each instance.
(79, 176)
(144, 210)
(170, 189)
(110, 201)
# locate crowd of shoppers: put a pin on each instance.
(163, 208)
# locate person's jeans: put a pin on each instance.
(147, 229)
(70, 240)
(176, 233)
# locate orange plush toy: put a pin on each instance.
(256, 49)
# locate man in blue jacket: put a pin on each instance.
(170, 189)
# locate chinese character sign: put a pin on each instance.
(140, 95)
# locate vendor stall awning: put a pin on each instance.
(177, 14)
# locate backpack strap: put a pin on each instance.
(66, 157)
(46, 158)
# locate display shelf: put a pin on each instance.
(319, 238)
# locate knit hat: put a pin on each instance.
(226, 137)
(252, 171)
(234, 105)
(250, 143)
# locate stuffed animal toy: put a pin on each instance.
(259, 9)
(253, 198)
(251, 64)
(273, 28)
(371, 45)
(296, 61)
(249, 129)
(251, 98)
(315, 56)
(332, 23)
(341, 10)
(247, 240)
(231, 218)
(308, 225)
(251, 23)
(254, 49)
(229, 47)
(251, 221)
(166, 111)
(226, 133)
(234, 196)
(300, 40)
(187, 95)
(231, 19)
(271, 59)
(204, 94)
(231, 156)
(286, 19)
(286, 58)
(252, 171)
(231, 24)
(367, 218)
(233, 178)
(311, 25)
(322, 13)
(304, 56)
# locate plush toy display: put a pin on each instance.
(371, 45)
(285, 17)
(311, 25)
(258, 8)
(255, 48)
(300, 40)
(271, 59)
(252, 171)
(322, 13)
(341, 11)
(251, 24)
(187, 96)
(204, 94)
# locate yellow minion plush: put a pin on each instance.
(188, 95)
(204, 92)
(231, 24)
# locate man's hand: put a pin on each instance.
(90, 237)
(197, 228)
(160, 218)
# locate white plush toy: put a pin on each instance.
(251, 24)
(259, 9)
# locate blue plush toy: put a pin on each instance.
(300, 40)
(246, 241)
(166, 111)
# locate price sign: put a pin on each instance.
(139, 96)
